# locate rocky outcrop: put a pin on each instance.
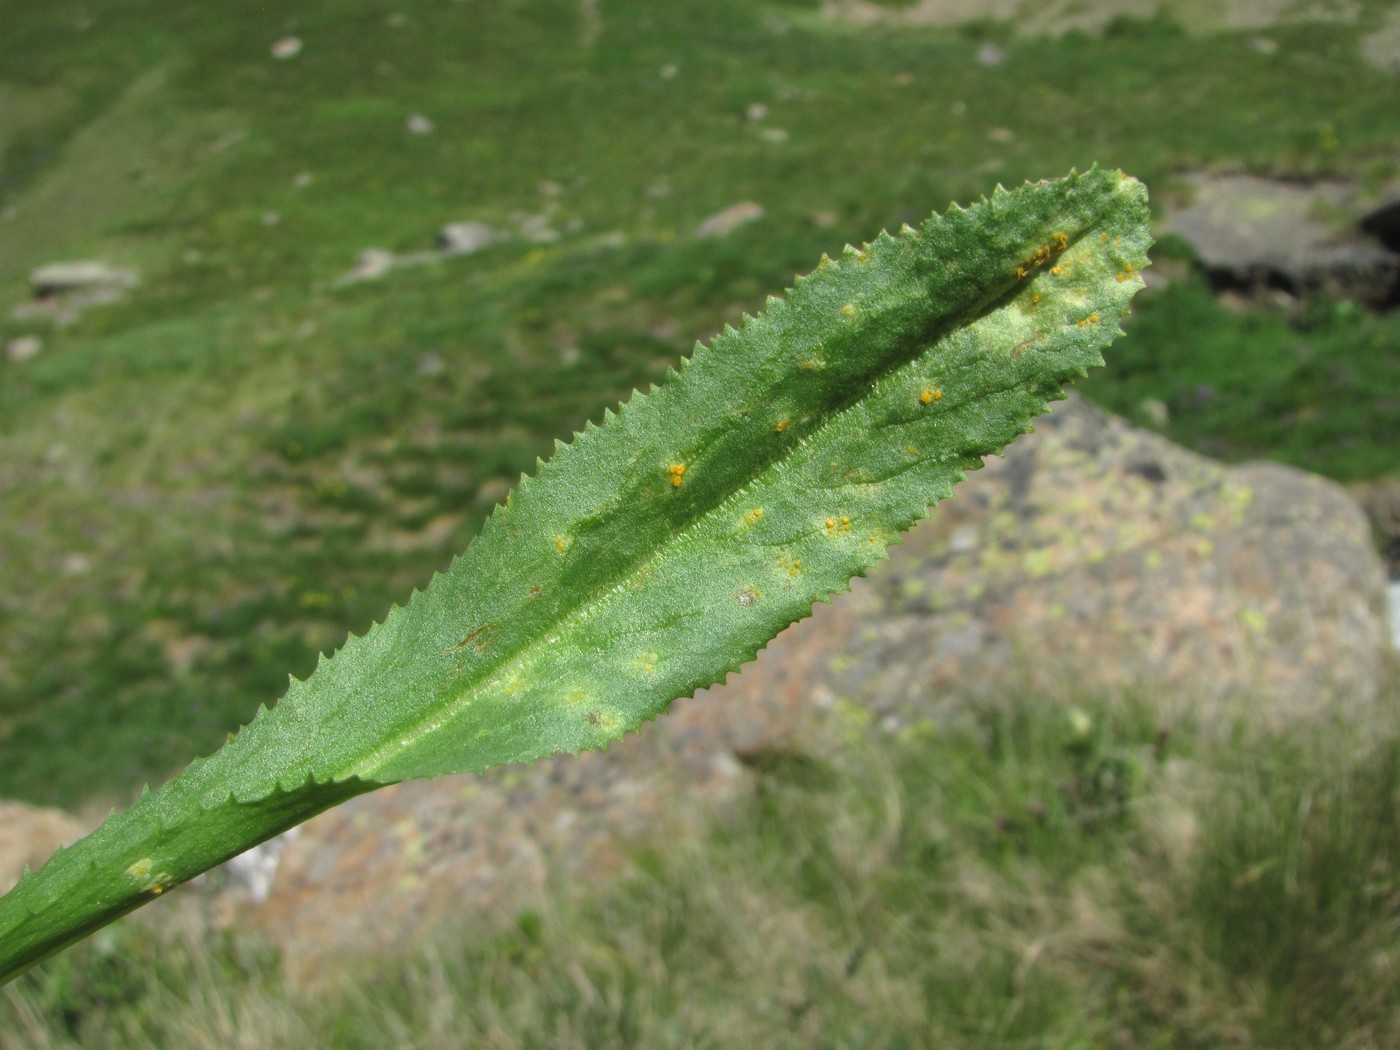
(1093, 559)
(1257, 236)
(1102, 559)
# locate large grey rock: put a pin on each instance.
(1257, 234)
(1094, 559)
(1103, 559)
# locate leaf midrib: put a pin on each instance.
(431, 719)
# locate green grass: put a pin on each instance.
(1035, 878)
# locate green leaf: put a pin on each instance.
(661, 550)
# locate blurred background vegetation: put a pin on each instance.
(205, 484)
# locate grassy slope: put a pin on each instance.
(209, 483)
(1036, 880)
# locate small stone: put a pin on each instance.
(24, 348)
(431, 364)
(63, 277)
(374, 263)
(669, 70)
(1001, 135)
(777, 136)
(302, 180)
(990, 55)
(756, 111)
(1381, 47)
(287, 47)
(420, 125)
(730, 219)
(271, 218)
(464, 238)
